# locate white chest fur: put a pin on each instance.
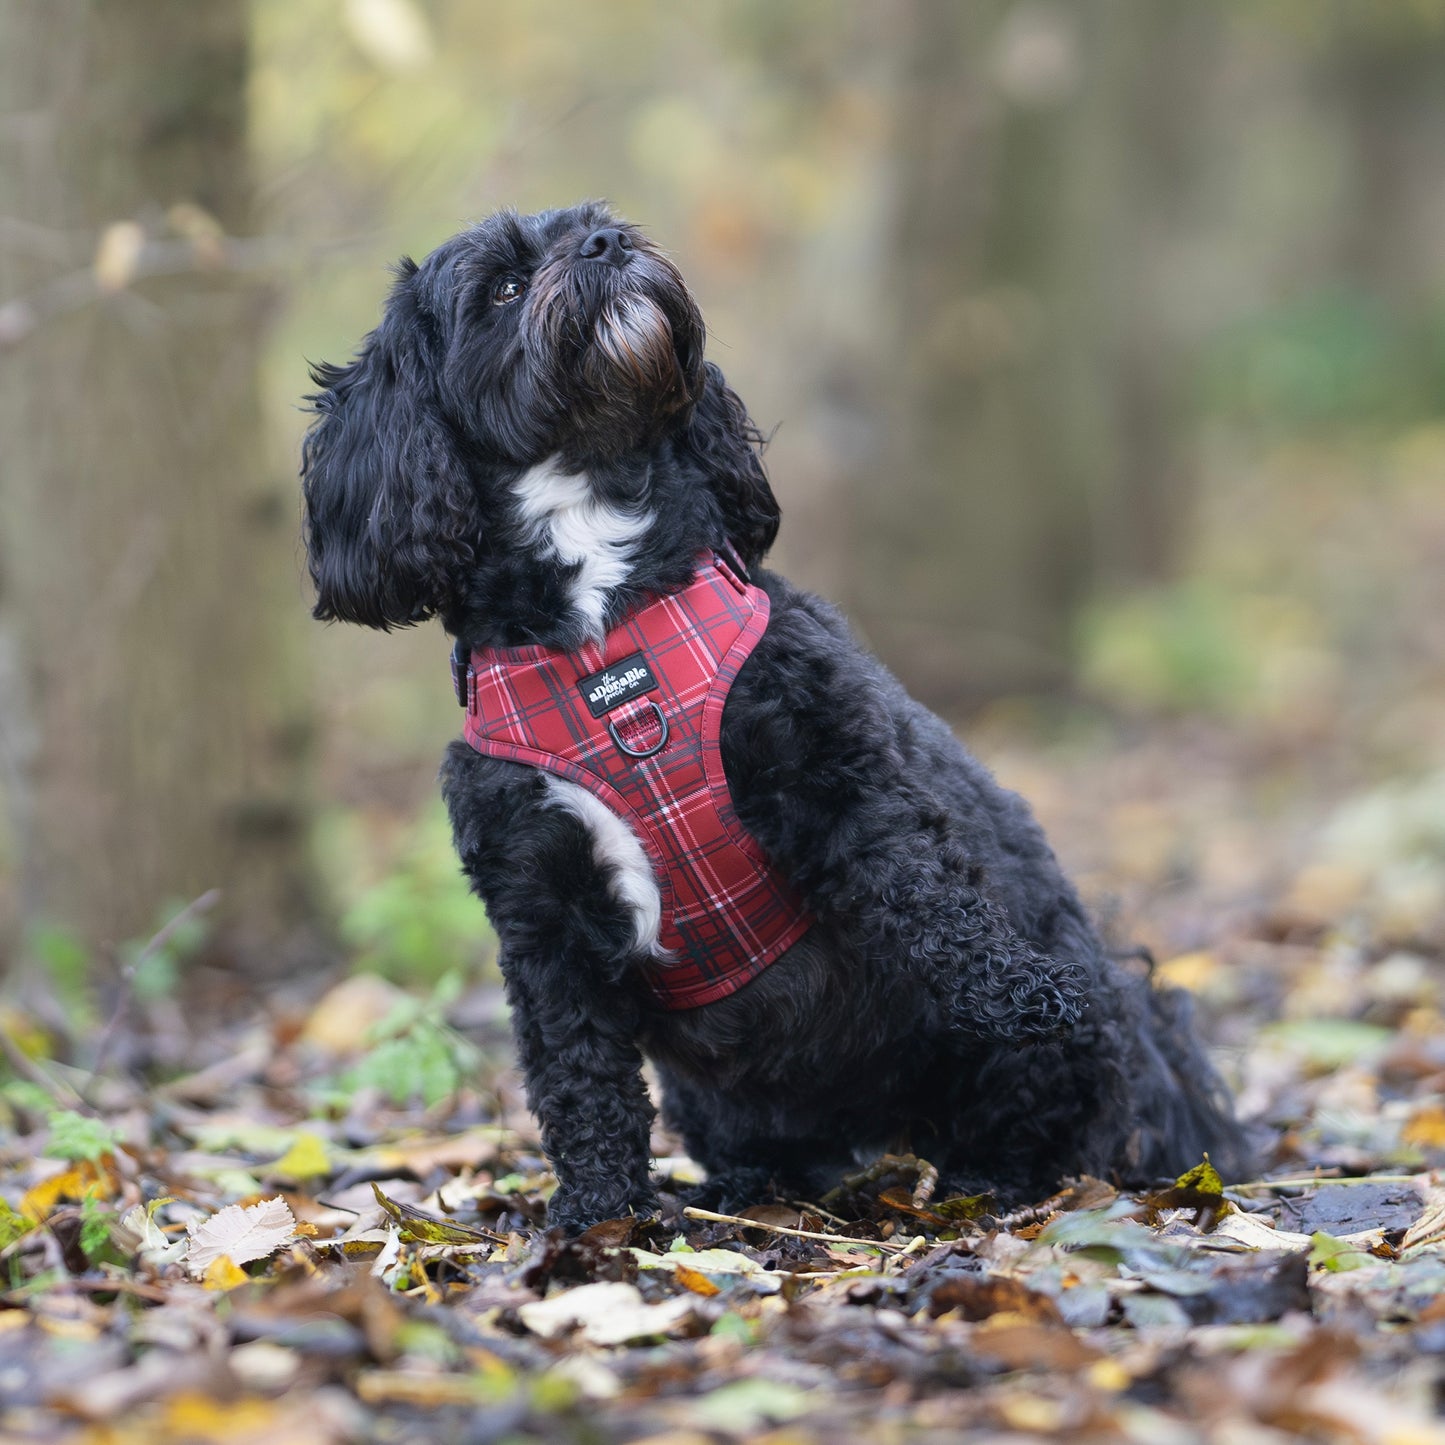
(615, 846)
(579, 529)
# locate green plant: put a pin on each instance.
(66, 963)
(418, 920)
(414, 1055)
(154, 964)
(77, 1136)
(96, 1243)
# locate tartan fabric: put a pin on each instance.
(726, 912)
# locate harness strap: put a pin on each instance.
(637, 721)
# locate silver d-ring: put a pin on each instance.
(657, 747)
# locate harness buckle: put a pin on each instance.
(461, 673)
(730, 565)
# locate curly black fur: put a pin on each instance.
(951, 997)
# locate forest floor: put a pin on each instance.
(321, 1219)
(268, 1246)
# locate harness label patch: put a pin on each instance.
(615, 685)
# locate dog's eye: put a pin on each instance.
(507, 290)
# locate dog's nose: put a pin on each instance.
(609, 243)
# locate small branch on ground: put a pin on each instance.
(886, 1246)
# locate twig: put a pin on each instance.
(158, 940)
(75, 290)
(1304, 1182)
(31, 1069)
(804, 1207)
(879, 1244)
(927, 1183)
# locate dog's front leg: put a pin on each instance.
(568, 955)
(584, 1082)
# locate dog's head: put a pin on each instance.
(565, 338)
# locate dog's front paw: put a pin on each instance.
(730, 1191)
(575, 1210)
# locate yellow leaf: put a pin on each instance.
(339, 1023)
(1192, 971)
(1109, 1376)
(205, 1419)
(1031, 1413)
(76, 1183)
(117, 255)
(1426, 1128)
(223, 1273)
(305, 1159)
(1203, 1178)
(697, 1283)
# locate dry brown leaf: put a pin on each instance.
(976, 1298)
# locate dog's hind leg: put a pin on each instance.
(749, 1158)
(823, 779)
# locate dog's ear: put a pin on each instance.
(723, 442)
(391, 509)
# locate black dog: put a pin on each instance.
(531, 447)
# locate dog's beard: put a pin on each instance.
(617, 347)
(632, 344)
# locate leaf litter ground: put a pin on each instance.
(268, 1247)
(266, 1231)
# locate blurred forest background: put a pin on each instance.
(1102, 345)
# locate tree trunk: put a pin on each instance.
(153, 725)
(1027, 339)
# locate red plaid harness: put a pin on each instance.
(637, 722)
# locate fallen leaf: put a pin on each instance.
(416, 1226)
(1425, 1128)
(976, 1298)
(1192, 971)
(1020, 1344)
(608, 1313)
(708, 1262)
(307, 1158)
(344, 1015)
(223, 1273)
(1200, 1189)
(1327, 1252)
(1327, 1044)
(697, 1283)
(744, 1406)
(243, 1234)
(86, 1179)
(138, 1232)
